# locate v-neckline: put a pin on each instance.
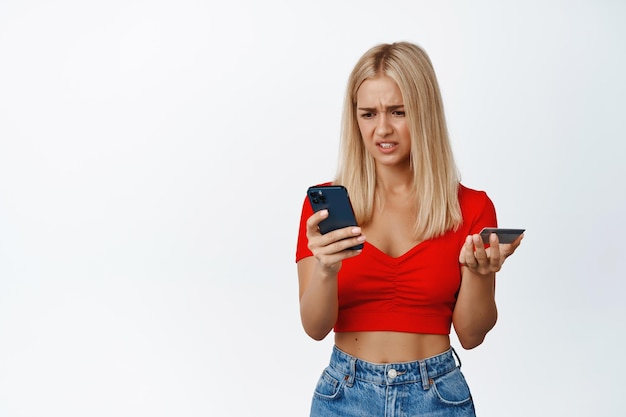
(400, 257)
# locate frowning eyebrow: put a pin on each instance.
(388, 108)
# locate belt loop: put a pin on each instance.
(352, 375)
(424, 376)
(456, 356)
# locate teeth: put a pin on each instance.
(386, 145)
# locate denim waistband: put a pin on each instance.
(394, 373)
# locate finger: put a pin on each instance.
(480, 253)
(335, 241)
(494, 251)
(467, 257)
(509, 249)
(334, 260)
(315, 219)
(341, 234)
(345, 244)
(329, 255)
(515, 244)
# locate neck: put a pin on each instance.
(391, 181)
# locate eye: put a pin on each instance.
(367, 115)
(398, 113)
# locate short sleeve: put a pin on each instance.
(478, 210)
(302, 250)
(485, 216)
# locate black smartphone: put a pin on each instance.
(336, 200)
(504, 235)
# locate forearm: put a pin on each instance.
(318, 303)
(475, 312)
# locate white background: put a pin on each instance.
(154, 157)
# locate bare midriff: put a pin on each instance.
(390, 347)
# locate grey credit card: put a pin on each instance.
(504, 235)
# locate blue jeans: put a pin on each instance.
(350, 387)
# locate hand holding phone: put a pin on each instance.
(335, 199)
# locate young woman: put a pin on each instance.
(423, 267)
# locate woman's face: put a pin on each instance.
(381, 119)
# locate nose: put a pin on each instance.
(383, 128)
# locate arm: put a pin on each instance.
(318, 298)
(475, 312)
(317, 274)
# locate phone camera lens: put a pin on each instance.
(317, 197)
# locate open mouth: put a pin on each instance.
(386, 145)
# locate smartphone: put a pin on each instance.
(504, 235)
(336, 200)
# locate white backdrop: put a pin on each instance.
(154, 156)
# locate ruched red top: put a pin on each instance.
(415, 292)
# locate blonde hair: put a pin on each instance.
(436, 178)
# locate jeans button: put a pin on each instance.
(392, 373)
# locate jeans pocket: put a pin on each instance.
(451, 388)
(329, 384)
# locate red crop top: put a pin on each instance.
(415, 292)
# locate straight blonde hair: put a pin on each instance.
(435, 175)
